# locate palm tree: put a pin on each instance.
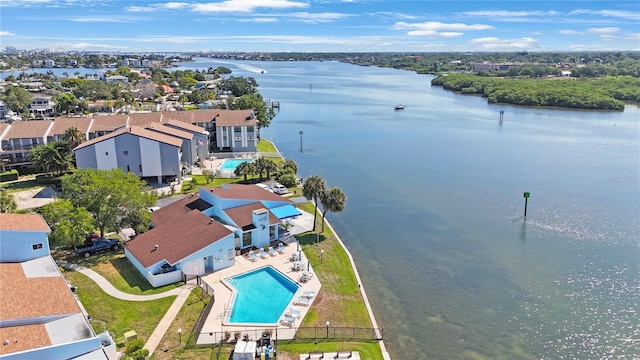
(73, 137)
(260, 164)
(244, 169)
(270, 166)
(52, 157)
(313, 188)
(7, 202)
(332, 200)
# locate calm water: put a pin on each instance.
(435, 204)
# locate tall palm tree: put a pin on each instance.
(332, 200)
(7, 202)
(312, 188)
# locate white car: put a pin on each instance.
(279, 189)
(264, 186)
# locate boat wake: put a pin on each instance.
(249, 68)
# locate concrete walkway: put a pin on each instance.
(181, 292)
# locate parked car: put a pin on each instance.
(95, 245)
(265, 186)
(279, 189)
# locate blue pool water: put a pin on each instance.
(232, 164)
(262, 296)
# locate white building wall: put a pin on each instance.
(150, 156)
(106, 156)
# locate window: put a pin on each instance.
(237, 129)
(237, 138)
(272, 232)
(34, 141)
(250, 129)
(250, 138)
(140, 167)
(125, 153)
(37, 246)
(246, 239)
(106, 153)
(128, 168)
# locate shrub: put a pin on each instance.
(288, 180)
(9, 175)
(134, 350)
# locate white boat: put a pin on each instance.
(399, 107)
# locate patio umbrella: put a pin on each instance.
(308, 265)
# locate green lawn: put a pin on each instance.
(266, 146)
(116, 268)
(118, 316)
(22, 186)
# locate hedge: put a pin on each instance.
(9, 175)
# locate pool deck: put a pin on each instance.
(216, 321)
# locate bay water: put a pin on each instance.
(434, 215)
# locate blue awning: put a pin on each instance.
(285, 212)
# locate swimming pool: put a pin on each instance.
(232, 164)
(261, 296)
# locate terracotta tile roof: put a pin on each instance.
(60, 125)
(25, 337)
(246, 192)
(181, 207)
(169, 130)
(108, 122)
(193, 116)
(183, 125)
(28, 129)
(138, 131)
(242, 215)
(26, 222)
(33, 297)
(236, 118)
(141, 119)
(3, 127)
(177, 239)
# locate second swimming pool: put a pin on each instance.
(232, 164)
(261, 296)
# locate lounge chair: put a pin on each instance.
(302, 301)
(297, 266)
(288, 321)
(306, 276)
(252, 256)
(272, 251)
(309, 294)
(293, 313)
(263, 254)
(281, 248)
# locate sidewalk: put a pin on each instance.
(181, 292)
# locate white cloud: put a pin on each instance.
(23, 3)
(158, 7)
(604, 30)
(315, 18)
(630, 15)
(6, 33)
(260, 20)
(569, 32)
(246, 5)
(89, 46)
(497, 44)
(102, 19)
(508, 13)
(438, 29)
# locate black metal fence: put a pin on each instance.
(338, 333)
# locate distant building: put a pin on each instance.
(117, 79)
(485, 66)
(49, 63)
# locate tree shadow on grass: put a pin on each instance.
(310, 238)
(130, 274)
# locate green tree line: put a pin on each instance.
(606, 93)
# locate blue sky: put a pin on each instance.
(320, 25)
